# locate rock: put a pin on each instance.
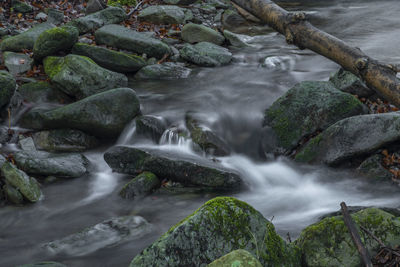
(166, 70)
(41, 16)
(185, 169)
(239, 258)
(24, 40)
(122, 2)
(13, 195)
(64, 140)
(26, 185)
(237, 40)
(219, 226)
(141, 185)
(352, 137)
(7, 87)
(43, 264)
(55, 40)
(105, 234)
(150, 127)
(80, 76)
(94, 6)
(139, 42)
(47, 164)
(206, 139)
(39, 92)
(110, 59)
(94, 21)
(179, 2)
(163, 14)
(306, 108)
(55, 16)
(21, 7)
(26, 144)
(206, 54)
(194, 33)
(2, 161)
(232, 20)
(372, 168)
(347, 82)
(17, 63)
(328, 242)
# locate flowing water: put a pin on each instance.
(230, 100)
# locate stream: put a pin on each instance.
(231, 101)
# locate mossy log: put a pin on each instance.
(298, 31)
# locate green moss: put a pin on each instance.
(121, 2)
(53, 65)
(309, 151)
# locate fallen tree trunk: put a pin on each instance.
(298, 31)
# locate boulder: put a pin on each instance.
(239, 258)
(92, 22)
(64, 140)
(206, 54)
(163, 14)
(141, 185)
(18, 179)
(195, 33)
(150, 127)
(24, 40)
(26, 143)
(21, 7)
(139, 42)
(94, 6)
(13, 195)
(220, 226)
(348, 82)
(55, 16)
(353, 137)
(236, 40)
(105, 234)
(43, 264)
(17, 63)
(166, 70)
(55, 40)
(80, 76)
(179, 2)
(306, 108)
(110, 59)
(7, 87)
(42, 92)
(48, 164)
(328, 243)
(373, 169)
(186, 169)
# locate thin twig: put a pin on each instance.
(135, 8)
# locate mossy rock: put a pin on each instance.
(80, 77)
(329, 244)
(21, 7)
(195, 33)
(7, 87)
(164, 71)
(141, 185)
(306, 108)
(206, 54)
(150, 126)
(122, 2)
(43, 264)
(373, 169)
(110, 59)
(55, 40)
(220, 226)
(236, 258)
(163, 14)
(42, 92)
(348, 82)
(13, 195)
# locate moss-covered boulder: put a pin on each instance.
(64, 140)
(42, 92)
(166, 70)
(348, 82)
(17, 63)
(195, 33)
(21, 7)
(219, 226)
(12, 195)
(92, 22)
(18, 179)
(122, 2)
(139, 42)
(206, 54)
(80, 76)
(7, 87)
(25, 40)
(185, 169)
(151, 127)
(110, 59)
(163, 14)
(141, 185)
(328, 243)
(55, 40)
(236, 258)
(306, 108)
(373, 169)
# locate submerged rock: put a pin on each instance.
(7, 87)
(105, 234)
(150, 127)
(166, 70)
(139, 42)
(186, 169)
(348, 82)
(80, 77)
(206, 54)
(238, 258)
(306, 108)
(17, 63)
(328, 242)
(219, 226)
(141, 185)
(110, 59)
(163, 14)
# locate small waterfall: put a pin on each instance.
(127, 134)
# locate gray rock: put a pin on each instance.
(47, 164)
(93, 6)
(55, 16)
(237, 40)
(306, 108)
(166, 70)
(150, 127)
(352, 137)
(26, 143)
(141, 185)
(163, 14)
(179, 2)
(347, 82)
(41, 16)
(372, 168)
(218, 227)
(17, 63)
(80, 76)
(239, 257)
(105, 234)
(185, 169)
(110, 59)
(206, 54)
(232, 20)
(12, 194)
(21, 7)
(25, 40)
(92, 22)
(195, 33)
(139, 42)
(44, 264)
(7, 87)
(55, 40)
(42, 92)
